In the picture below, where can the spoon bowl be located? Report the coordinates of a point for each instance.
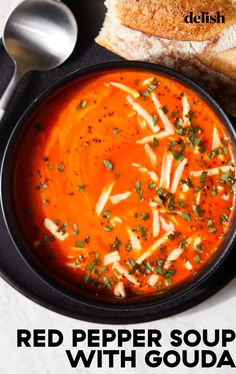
(39, 35)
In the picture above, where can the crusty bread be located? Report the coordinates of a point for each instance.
(212, 62)
(223, 62)
(165, 18)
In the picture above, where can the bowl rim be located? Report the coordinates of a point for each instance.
(54, 89)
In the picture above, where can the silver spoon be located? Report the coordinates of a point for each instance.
(38, 35)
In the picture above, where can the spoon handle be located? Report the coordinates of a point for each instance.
(8, 93)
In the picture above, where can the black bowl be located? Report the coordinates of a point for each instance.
(96, 306)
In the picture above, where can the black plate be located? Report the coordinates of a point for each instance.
(13, 268)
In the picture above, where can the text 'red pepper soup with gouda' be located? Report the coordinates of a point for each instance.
(125, 183)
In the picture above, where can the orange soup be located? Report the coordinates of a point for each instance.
(125, 183)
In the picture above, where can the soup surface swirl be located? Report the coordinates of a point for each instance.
(124, 183)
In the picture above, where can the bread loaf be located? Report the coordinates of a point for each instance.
(165, 18)
(155, 31)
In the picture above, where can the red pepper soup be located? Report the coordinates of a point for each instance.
(125, 183)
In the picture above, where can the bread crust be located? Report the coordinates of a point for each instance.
(165, 18)
(222, 62)
(210, 69)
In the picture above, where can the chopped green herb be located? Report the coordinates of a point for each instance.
(160, 262)
(212, 229)
(108, 228)
(165, 109)
(133, 264)
(75, 229)
(198, 248)
(172, 144)
(83, 104)
(143, 231)
(198, 210)
(81, 188)
(155, 142)
(171, 237)
(108, 164)
(85, 278)
(145, 94)
(63, 227)
(170, 273)
(171, 203)
(224, 177)
(45, 202)
(79, 244)
(162, 196)
(202, 149)
(44, 186)
(116, 131)
(154, 119)
(214, 193)
(225, 150)
(145, 216)
(168, 282)
(209, 222)
(139, 190)
(128, 247)
(160, 271)
(203, 177)
(197, 258)
(152, 87)
(116, 244)
(148, 268)
(177, 156)
(106, 214)
(218, 151)
(188, 182)
(103, 269)
(91, 267)
(223, 218)
(61, 167)
(159, 200)
(227, 178)
(78, 260)
(151, 185)
(213, 153)
(194, 141)
(180, 131)
(175, 114)
(186, 216)
(184, 243)
(191, 116)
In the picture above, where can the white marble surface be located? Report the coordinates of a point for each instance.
(6, 7)
(16, 312)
